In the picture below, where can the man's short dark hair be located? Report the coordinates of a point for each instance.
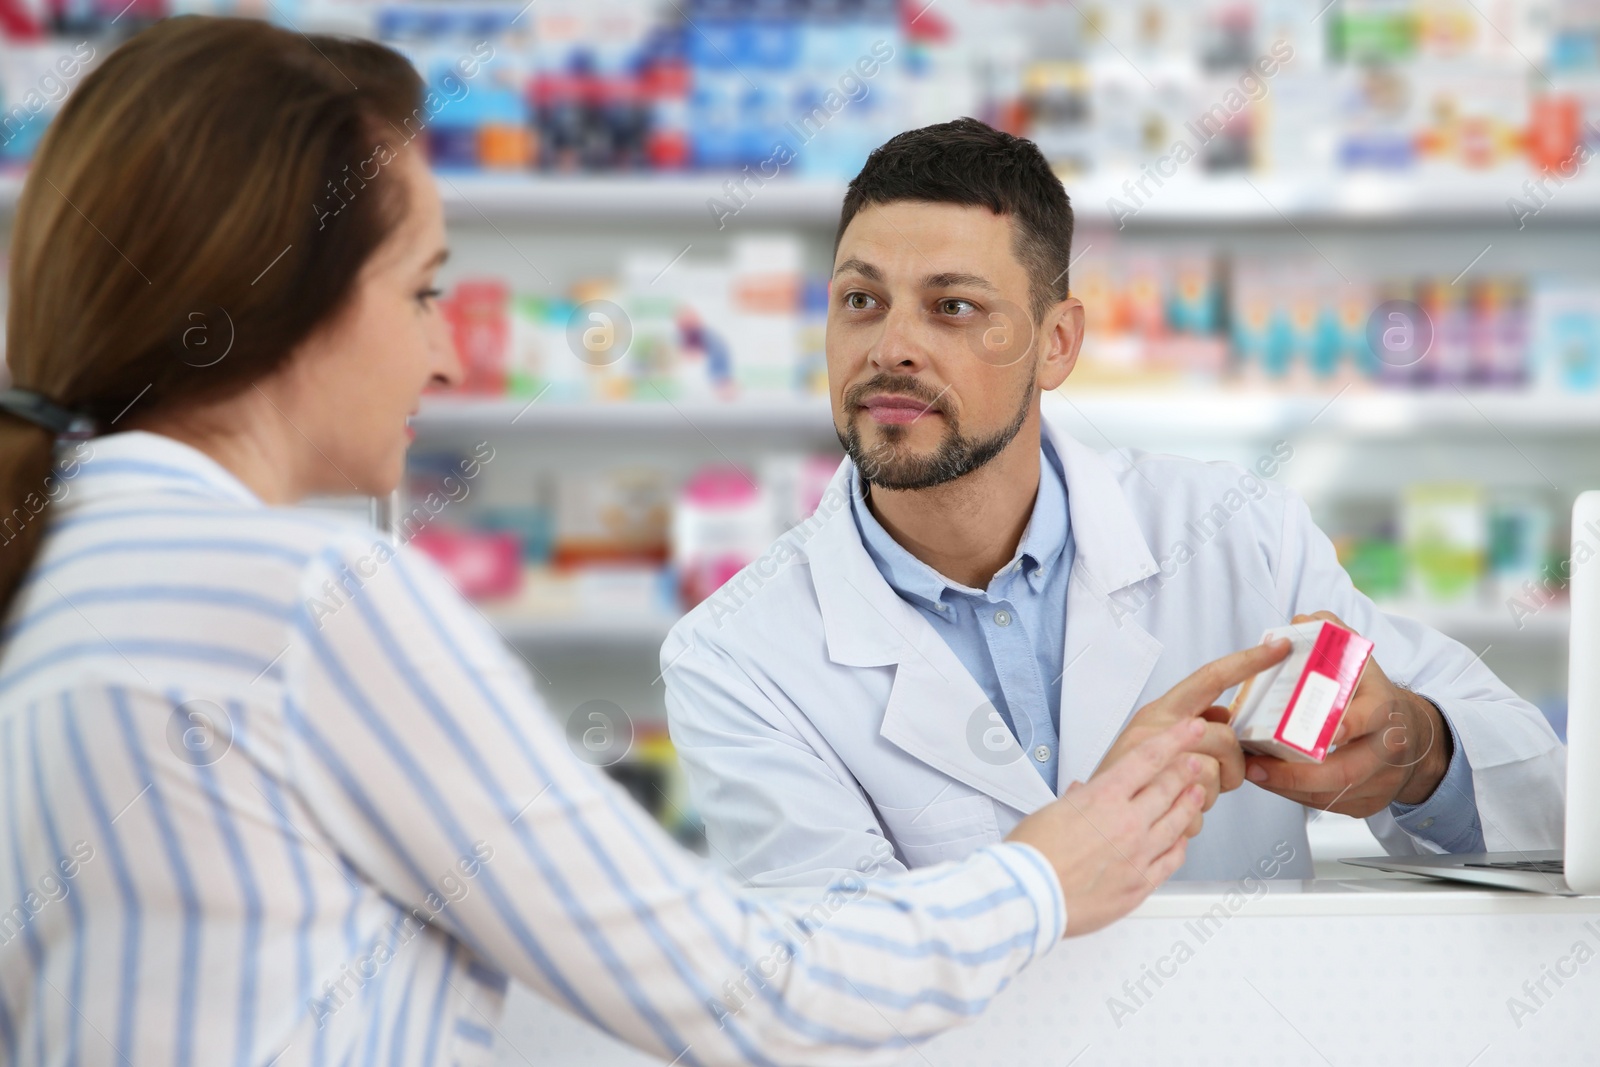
(971, 163)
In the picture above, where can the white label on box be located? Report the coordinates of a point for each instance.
(1303, 725)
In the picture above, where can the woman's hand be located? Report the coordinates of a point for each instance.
(1114, 839)
(1195, 698)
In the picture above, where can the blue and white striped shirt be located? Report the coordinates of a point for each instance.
(271, 792)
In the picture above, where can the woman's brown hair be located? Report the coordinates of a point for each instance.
(206, 197)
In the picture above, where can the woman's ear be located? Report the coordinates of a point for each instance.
(1061, 336)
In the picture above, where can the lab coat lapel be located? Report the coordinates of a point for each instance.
(1107, 656)
(937, 712)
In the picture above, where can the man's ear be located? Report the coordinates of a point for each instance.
(1060, 337)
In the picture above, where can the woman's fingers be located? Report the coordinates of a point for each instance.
(1157, 798)
(1166, 865)
(1170, 827)
(1133, 772)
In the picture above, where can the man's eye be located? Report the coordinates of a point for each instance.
(427, 295)
(953, 306)
(857, 301)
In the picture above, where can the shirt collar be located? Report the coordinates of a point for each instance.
(137, 463)
(1039, 549)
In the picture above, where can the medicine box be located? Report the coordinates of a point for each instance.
(1292, 709)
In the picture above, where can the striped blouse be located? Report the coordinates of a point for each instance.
(271, 792)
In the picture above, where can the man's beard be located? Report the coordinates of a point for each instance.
(883, 466)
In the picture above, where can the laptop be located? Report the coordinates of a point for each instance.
(1575, 869)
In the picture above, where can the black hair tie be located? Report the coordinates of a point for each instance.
(40, 410)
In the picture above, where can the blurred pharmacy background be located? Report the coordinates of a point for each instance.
(643, 195)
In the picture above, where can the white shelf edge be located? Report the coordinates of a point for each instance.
(1481, 620)
(1098, 200)
(621, 629)
(1202, 413)
(1463, 622)
(1271, 200)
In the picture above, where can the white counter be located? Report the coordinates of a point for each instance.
(1351, 971)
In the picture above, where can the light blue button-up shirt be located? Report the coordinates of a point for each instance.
(1009, 636)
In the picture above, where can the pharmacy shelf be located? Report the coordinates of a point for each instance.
(1477, 623)
(640, 630)
(802, 414)
(1214, 414)
(1255, 200)
(1184, 200)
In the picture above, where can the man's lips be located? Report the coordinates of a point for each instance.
(898, 410)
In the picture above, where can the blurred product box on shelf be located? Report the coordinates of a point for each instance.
(723, 522)
(1292, 709)
(1445, 529)
(1521, 528)
(1566, 335)
(482, 564)
(1458, 545)
(608, 517)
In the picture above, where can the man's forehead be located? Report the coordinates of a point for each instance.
(930, 243)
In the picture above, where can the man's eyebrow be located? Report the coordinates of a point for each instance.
(861, 267)
(955, 279)
(438, 259)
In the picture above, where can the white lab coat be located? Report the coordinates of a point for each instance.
(814, 710)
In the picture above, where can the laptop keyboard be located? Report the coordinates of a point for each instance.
(1531, 866)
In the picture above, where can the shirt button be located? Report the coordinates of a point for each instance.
(1042, 753)
(1002, 618)
(1425, 823)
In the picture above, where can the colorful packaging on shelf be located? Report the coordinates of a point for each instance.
(1292, 710)
(481, 564)
(1500, 332)
(476, 311)
(764, 326)
(1566, 336)
(1444, 529)
(1520, 529)
(723, 522)
(612, 517)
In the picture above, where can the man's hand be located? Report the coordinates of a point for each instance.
(1393, 745)
(1113, 840)
(1194, 698)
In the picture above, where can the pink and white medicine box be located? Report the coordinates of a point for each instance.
(1292, 710)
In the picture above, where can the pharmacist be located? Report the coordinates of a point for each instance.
(972, 569)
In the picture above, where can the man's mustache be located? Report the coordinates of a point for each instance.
(887, 383)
